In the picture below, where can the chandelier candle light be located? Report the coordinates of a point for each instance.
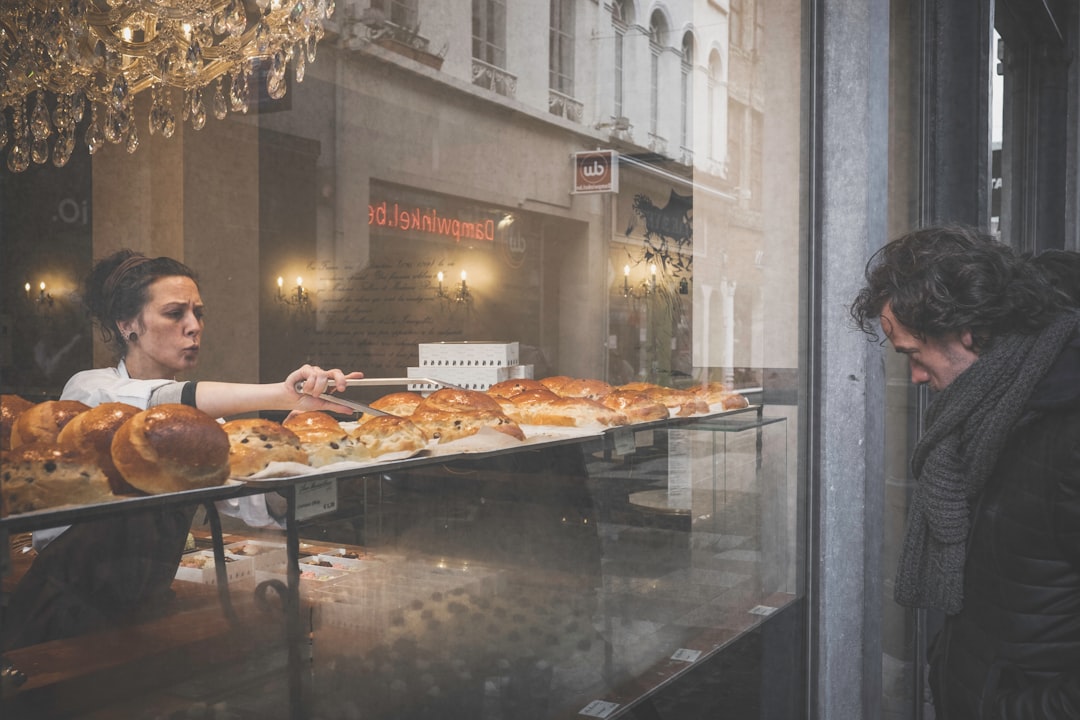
(70, 53)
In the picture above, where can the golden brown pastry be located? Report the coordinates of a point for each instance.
(536, 408)
(43, 422)
(171, 448)
(555, 382)
(718, 393)
(254, 443)
(444, 425)
(510, 388)
(679, 402)
(584, 387)
(455, 400)
(311, 420)
(401, 404)
(386, 434)
(11, 406)
(93, 430)
(324, 440)
(41, 475)
(638, 407)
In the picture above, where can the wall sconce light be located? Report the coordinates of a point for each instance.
(461, 295)
(645, 289)
(296, 297)
(43, 299)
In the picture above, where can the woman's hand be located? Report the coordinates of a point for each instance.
(317, 381)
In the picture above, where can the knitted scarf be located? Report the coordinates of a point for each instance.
(966, 427)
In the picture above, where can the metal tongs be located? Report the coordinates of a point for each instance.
(367, 409)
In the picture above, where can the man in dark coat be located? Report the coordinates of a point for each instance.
(993, 533)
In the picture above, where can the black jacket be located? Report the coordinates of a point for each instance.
(1013, 651)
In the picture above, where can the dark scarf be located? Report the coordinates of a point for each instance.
(966, 427)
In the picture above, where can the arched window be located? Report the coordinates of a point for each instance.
(657, 38)
(561, 47)
(686, 90)
(619, 20)
(717, 104)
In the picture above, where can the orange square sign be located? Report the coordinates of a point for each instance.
(596, 171)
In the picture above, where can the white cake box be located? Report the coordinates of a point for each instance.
(470, 378)
(468, 353)
(262, 553)
(309, 574)
(199, 567)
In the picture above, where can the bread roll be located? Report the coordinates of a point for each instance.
(444, 425)
(171, 448)
(510, 388)
(311, 420)
(401, 404)
(638, 407)
(42, 475)
(455, 400)
(324, 440)
(679, 402)
(93, 430)
(254, 443)
(554, 382)
(43, 422)
(536, 408)
(718, 393)
(384, 434)
(11, 406)
(584, 387)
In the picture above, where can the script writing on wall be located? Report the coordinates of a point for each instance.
(373, 318)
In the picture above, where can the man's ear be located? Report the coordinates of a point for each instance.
(967, 340)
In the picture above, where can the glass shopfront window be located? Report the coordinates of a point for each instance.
(381, 185)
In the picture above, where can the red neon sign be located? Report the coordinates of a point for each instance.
(428, 220)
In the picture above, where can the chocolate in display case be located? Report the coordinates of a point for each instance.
(578, 565)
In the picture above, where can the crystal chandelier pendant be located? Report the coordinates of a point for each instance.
(95, 137)
(66, 53)
(218, 103)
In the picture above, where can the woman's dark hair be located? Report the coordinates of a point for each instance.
(942, 280)
(117, 289)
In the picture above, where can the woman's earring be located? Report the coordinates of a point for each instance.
(133, 337)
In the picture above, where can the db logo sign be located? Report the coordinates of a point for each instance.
(596, 171)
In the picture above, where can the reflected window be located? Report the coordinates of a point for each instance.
(399, 12)
(619, 20)
(735, 24)
(686, 91)
(715, 99)
(561, 59)
(489, 31)
(657, 38)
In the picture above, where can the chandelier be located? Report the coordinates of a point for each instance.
(60, 57)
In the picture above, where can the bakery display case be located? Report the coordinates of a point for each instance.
(574, 576)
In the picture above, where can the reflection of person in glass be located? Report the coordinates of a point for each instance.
(96, 573)
(993, 533)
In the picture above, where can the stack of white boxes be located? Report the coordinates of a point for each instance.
(473, 365)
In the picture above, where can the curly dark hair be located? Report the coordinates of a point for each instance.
(117, 289)
(946, 279)
(1062, 270)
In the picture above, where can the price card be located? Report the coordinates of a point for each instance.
(599, 708)
(316, 497)
(685, 655)
(679, 481)
(624, 441)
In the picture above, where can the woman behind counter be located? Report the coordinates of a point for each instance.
(95, 574)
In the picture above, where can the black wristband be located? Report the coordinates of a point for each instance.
(187, 395)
